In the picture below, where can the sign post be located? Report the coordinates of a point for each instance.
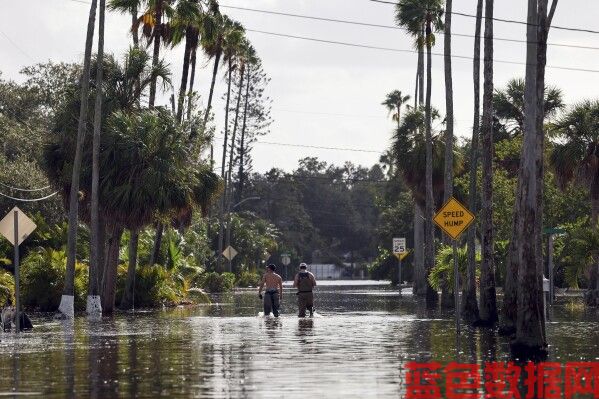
(454, 218)
(399, 250)
(16, 227)
(17, 270)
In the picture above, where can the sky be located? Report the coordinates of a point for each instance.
(323, 94)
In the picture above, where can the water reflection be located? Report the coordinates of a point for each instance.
(358, 347)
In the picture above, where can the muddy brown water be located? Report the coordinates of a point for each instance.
(357, 346)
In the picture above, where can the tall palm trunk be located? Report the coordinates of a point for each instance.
(221, 230)
(447, 294)
(134, 32)
(128, 300)
(240, 177)
(110, 269)
(510, 301)
(94, 306)
(184, 74)
(469, 303)
(420, 282)
(429, 238)
(488, 301)
(419, 272)
(212, 83)
(151, 101)
(421, 69)
(191, 83)
(530, 319)
(156, 51)
(544, 21)
(66, 306)
(448, 175)
(595, 220)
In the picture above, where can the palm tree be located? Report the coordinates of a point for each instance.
(94, 307)
(415, 15)
(575, 157)
(122, 86)
(66, 306)
(143, 151)
(488, 301)
(508, 105)
(530, 321)
(185, 25)
(394, 102)
(448, 103)
(128, 7)
(469, 302)
(510, 108)
(409, 154)
(221, 31)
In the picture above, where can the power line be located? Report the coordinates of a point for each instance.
(396, 50)
(17, 47)
(359, 23)
(510, 21)
(313, 146)
(24, 189)
(29, 200)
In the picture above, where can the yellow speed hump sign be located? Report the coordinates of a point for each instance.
(453, 218)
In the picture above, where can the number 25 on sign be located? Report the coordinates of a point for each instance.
(453, 218)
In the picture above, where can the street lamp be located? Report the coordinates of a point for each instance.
(228, 243)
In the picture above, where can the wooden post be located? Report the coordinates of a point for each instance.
(456, 285)
(399, 274)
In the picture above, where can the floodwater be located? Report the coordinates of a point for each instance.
(357, 346)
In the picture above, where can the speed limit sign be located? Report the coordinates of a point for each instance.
(399, 246)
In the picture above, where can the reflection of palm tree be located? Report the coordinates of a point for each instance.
(575, 157)
(416, 16)
(394, 102)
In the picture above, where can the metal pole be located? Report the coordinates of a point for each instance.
(399, 275)
(456, 289)
(550, 256)
(17, 282)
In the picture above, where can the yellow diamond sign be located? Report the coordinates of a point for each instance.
(401, 256)
(453, 218)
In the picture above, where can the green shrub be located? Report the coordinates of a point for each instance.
(154, 286)
(215, 282)
(443, 269)
(42, 280)
(248, 279)
(7, 288)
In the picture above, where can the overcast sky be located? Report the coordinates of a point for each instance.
(324, 94)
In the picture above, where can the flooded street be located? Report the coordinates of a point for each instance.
(356, 347)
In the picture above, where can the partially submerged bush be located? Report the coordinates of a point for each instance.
(248, 279)
(216, 282)
(7, 288)
(42, 280)
(154, 286)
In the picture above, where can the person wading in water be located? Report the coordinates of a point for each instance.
(274, 291)
(305, 283)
